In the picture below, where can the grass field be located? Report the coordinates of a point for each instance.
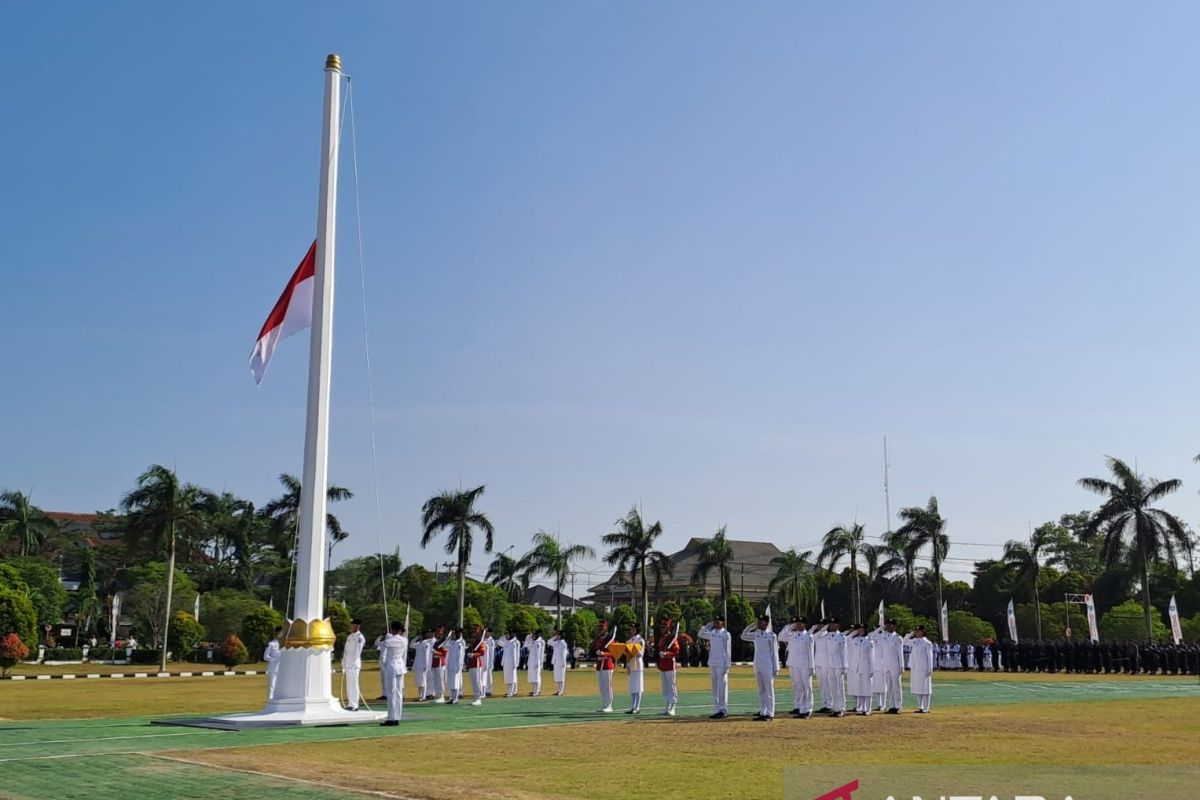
(99, 734)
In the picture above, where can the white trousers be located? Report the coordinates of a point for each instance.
(802, 691)
(487, 680)
(535, 682)
(454, 683)
(720, 688)
(435, 682)
(893, 695)
(765, 677)
(477, 680)
(421, 678)
(606, 688)
(923, 702)
(837, 689)
(351, 676)
(670, 689)
(272, 675)
(395, 694)
(823, 686)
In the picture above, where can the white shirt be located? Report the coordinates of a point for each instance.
(510, 653)
(720, 649)
(456, 651)
(352, 652)
(921, 660)
(889, 655)
(393, 653)
(800, 648)
(272, 655)
(558, 653)
(766, 647)
(537, 654)
(422, 655)
(835, 652)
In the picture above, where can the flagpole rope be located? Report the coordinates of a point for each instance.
(362, 285)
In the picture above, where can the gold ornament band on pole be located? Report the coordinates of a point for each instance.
(317, 634)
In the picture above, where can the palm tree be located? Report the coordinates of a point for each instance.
(283, 515)
(158, 511)
(455, 513)
(1024, 560)
(23, 522)
(842, 542)
(794, 579)
(926, 527)
(631, 550)
(902, 558)
(716, 553)
(507, 573)
(1127, 512)
(554, 560)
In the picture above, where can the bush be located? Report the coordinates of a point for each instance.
(12, 652)
(145, 656)
(222, 612)
(184, 634)
(1190, 629)
(16, 616)
(442, 609)
(64, 654)
(102, 653)
(232, 652)
(258, 628)
(966, 627)
(580, 628)
(1126, 622)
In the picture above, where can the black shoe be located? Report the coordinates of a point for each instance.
(794, 711)
(807, 715)
(838, 714)
(718, 715)
(892, 711)
(823, 710)
(765, 719)
(391, 723)
(758, 717)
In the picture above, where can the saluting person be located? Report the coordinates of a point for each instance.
(536, 647)
(861, 666)
(489, 661)
(800, 652)
(393, 655)
(889, 664)
(766, 665)
(456, 656)
(720, 659)
(510, 660)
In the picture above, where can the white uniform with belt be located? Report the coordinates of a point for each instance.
(860, 655)
(352, 666)
(558, 660)
(921, 661)
(536, 657)
(456, 655)
(490, 664)
(720, 658)
(766, 665)
(889, 665)
(835, 655)
(422, 658)
(272, 655)
(800, 654)
(393, 653)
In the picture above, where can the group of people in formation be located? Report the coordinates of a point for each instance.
(440, 659)
(865, 666)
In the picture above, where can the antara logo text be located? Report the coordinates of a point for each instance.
(847, 793)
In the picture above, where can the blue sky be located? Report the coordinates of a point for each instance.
(696, 256)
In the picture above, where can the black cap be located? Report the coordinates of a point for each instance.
(763, 618)
(834, 621)
(356, 621)
(802, 619)
(718, 618)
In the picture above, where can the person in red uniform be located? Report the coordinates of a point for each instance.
(476, 658)
(668, 656)
(604, 667)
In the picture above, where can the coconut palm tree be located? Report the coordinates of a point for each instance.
(282, 513)
(506, 572)
(24, 523)
(845, 541)
(1024, 560)
(1128, 522)
(455, 513)
(552, 559)
(158, 511)
(794, 579)
(902, 559)
(632, 551)
(926, 527)
(716, 553)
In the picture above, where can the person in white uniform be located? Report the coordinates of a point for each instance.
(489, 642)
(921, 662)
(889, 665)
(635, 645)
(720, 659)
(456, 656)
(558, 661)
(535, 646)
(393, 656)
(766, 665)
(800, 665)
(835, 655)
(352, 662)
(421, 660)
(820, 635)
(878, 688)
(510, 659)
(860, 659)
(272, 656)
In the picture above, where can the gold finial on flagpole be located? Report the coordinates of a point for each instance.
(333, 61)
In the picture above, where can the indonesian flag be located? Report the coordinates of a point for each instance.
(292, 313)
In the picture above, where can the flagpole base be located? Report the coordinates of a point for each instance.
(303, 697)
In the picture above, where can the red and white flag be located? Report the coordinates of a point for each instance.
(292, 313)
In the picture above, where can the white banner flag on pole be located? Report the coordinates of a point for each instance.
(1093, 631)
(196, 608)
(881, 616)
(1176, 629)
(116, 616)
(1012, 622)
(945, 623)
(822, 608)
